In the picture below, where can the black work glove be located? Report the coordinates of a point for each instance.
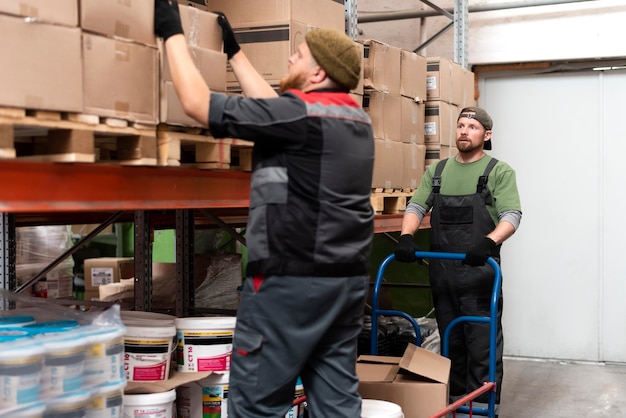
(405, 250)
(167, 19)
(231, 46)
(479, 253)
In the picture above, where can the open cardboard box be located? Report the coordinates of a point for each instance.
(158, 386)
(417, 381)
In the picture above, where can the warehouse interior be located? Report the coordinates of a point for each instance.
(551, 75)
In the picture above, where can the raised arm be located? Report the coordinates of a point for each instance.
(252, 84)
(193, 92)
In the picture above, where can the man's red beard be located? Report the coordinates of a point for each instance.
(465, 146)
(292, 81)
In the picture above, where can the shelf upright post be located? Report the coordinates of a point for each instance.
(350, 7)
(7, 257)
(143, 261)
(461, 16)
(185, 298)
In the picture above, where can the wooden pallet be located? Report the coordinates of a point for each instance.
(196, 148)
(390, 201)
(49, 136)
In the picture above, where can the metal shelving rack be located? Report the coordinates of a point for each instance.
(43, 193)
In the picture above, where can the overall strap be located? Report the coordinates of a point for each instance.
(436, 181)
(481, 187)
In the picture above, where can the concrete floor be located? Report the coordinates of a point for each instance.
(555, 389)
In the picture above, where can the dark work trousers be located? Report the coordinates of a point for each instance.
(297, 326)
(457, 223)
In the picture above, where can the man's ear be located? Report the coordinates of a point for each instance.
(319, 75)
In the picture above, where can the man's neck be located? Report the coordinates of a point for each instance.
(469, 157)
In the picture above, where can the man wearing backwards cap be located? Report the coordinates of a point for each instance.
(475, 208)
(310, 225)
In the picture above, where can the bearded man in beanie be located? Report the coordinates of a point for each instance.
(310, 224)
(475, 208)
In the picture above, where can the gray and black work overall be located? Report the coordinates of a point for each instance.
(457, 223)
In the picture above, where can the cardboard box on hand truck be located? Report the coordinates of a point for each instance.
(417, 381)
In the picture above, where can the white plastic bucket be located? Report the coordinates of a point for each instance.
(297, 411)
(64, 360)
(105, 354)
(373, 408)
(154, 405)
(148, 351)
(204, 344)
(106, 400)
(21, 364)
(208, 397)
(71, 405)
(204, 398)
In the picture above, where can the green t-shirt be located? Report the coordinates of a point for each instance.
(460, 179)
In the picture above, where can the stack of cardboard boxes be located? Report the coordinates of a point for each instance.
(395, 91)
(102, 58)
(450, 88)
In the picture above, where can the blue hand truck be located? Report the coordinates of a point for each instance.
(464, 404)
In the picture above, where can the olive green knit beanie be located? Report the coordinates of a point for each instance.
(337, 54)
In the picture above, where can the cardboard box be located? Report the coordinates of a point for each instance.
(130, 20)
(50, 75)
(388, 162)
(62, 12)
(449, 82)
(320, 13)
(360, 87)
(269, 46)
(413, 165)
(209, 63)
(448, 151)
(382, 66)
(385, 111)
(433, 154)
(201, 28)
(413, 119)
(418, 381)
(413, 75)
(440, 123)
(105, 270)
(121, 79)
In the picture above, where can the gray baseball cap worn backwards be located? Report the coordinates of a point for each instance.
(481, 115)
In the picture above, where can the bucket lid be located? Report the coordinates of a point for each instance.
(140, 317)
(150, 331)
(108, 387)
(13, 333)
(150, 398)
(57, 325)
(22, 348)
(16, 321)
(373, 408)
(206, 323)
(97, 333)
(76, 399)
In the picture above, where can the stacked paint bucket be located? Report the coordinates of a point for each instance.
(150, 344)
(205, 344)
(57, 368)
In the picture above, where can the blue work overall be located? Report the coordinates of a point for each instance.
(457, 223)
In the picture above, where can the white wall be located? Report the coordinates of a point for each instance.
(583, 30)
(563, 270)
